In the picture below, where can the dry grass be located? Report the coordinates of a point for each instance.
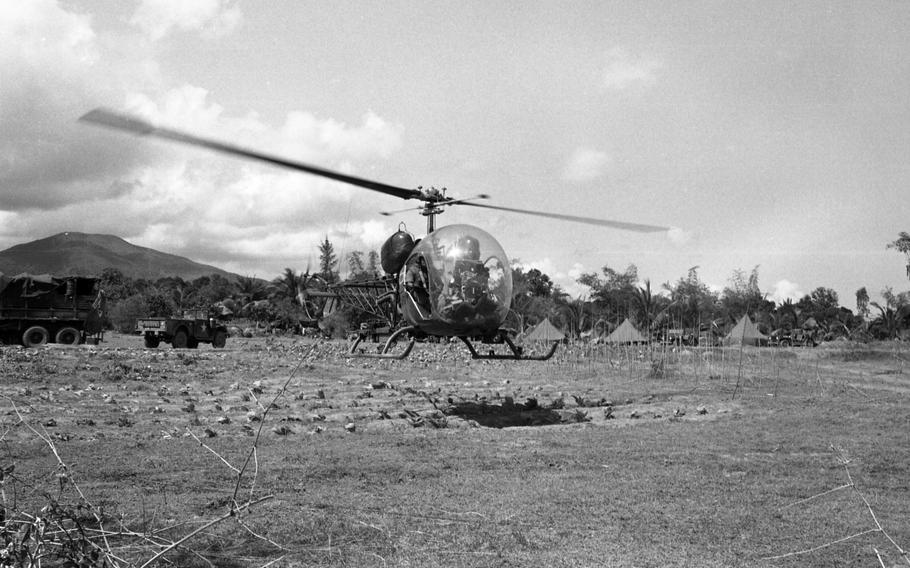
(723, 458)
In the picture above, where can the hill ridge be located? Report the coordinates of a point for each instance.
(87, 254)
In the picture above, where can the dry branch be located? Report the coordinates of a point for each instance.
(845, 462)
(57, 533)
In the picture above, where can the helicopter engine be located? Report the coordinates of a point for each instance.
(457, 280)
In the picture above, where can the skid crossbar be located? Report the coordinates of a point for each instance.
(517, 353)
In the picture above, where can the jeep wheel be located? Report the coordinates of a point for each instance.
(180, 339)
(220, 339)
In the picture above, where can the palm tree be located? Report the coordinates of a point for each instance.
(287, 285)
(307, 283)
(902, 244)
(891, 319)
(787, 312)
(576, 314)
(249, 289)
(649, 307)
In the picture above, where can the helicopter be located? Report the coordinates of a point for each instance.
(455, 282)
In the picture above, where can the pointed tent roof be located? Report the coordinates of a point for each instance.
(626, 333)
(745, 332)
(545, 331)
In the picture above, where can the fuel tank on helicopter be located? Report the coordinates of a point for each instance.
(456, 281)
(395, 251)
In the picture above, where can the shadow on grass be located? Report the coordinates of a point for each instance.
(508, 414)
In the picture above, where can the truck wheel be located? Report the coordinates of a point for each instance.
(180, 339)
(220, 339)
(68, 336)
(152, 341)
(35, 336)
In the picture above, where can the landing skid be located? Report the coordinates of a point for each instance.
(517, 353)
(385, 352)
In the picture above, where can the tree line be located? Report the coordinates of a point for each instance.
(295, 300)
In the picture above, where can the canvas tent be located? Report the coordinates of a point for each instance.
(626, 333)
(544, 331)
(745, 333)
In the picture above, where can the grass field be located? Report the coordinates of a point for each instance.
(724, 457)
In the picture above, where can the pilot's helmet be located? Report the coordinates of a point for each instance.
(469, 247)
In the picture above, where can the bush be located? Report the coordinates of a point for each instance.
(337, 324)
(124, 314)
(159, 305)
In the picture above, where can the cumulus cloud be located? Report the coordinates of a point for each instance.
(212, 18)
(570, 282)
(679, 236)
(52, 68)
(784, 289)
(250, 207)
(373, 233)
(586, 164)
(565, 279)
(60, 175)
(623, 70)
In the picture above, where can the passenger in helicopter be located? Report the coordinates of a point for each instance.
(468, 293)
(416, 282)
(469, 275)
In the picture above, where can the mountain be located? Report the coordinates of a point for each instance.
(81, 254)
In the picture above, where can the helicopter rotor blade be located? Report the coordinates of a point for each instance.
(441, 203)
(117, 121)
(638, 227)
(397, 211)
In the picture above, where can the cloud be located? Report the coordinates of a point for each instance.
(570, 282)
(256, 215)
(784, 289)
(623, 70)
(38, 34)
(212, 18)
(60, 175)
(679, 236)
(373, 233)
(567, 280)
(53, 67)
(586, 164)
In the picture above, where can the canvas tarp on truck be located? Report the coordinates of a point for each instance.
(52, 304)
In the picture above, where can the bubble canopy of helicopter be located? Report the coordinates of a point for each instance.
(457, 278)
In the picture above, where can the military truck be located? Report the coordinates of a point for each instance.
(187, 331)
(40, 309)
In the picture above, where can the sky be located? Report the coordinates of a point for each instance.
(766, 134)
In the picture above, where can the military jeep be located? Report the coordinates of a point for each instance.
(188, 331)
